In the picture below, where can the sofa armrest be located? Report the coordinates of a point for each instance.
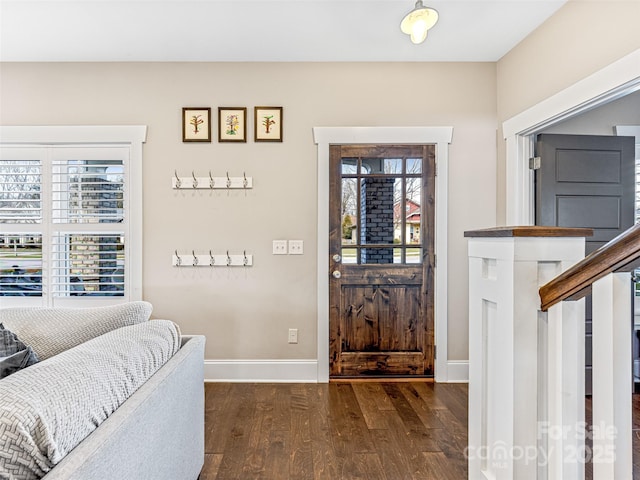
(157, 433)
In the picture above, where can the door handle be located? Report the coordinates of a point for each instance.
(336, 274)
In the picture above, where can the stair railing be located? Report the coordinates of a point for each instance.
(605, 275)
(527, 354)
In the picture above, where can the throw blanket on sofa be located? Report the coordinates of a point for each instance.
(49, 408)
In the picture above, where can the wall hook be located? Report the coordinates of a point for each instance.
(222, 259)
(201, 182)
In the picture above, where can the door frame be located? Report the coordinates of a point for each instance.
(441, 137)
(614, 81)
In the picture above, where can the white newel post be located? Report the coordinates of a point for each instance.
(526, 367)
(612, 378)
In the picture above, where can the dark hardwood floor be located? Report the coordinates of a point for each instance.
(344, 431)
(392, 431)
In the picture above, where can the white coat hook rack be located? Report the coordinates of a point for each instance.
(226, 259)
(210, 182)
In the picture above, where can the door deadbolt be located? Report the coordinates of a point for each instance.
(336, 257)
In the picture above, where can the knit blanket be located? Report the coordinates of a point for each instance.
(49, 408)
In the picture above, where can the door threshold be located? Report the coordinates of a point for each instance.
(381, 379)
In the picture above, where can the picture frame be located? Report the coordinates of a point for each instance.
(196, 124)
(232, 124)
(267, 124)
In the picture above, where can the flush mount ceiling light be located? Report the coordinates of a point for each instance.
(418, 21)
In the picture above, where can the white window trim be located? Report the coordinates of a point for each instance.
(441, 137)
(610, 83)
(131, 136)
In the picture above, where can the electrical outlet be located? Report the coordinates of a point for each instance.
(293, 335)
(296, 247)
(279, 247)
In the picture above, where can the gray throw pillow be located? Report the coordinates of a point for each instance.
(49, 331)
(14, 355)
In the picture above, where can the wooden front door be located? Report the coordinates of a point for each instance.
(381, 260)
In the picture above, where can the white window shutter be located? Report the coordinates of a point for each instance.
(64, 224)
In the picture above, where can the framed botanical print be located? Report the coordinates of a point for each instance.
(232, 124)
(196, 124)
(268, 124)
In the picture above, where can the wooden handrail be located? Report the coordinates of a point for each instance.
(619, 255)
(529, 231)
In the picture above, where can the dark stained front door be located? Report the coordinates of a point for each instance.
(381, 239)
(586, 181)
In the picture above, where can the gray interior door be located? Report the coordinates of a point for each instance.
(586, 181)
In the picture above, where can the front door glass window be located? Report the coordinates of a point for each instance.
(381, 210)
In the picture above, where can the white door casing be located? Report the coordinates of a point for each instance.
(614, 81)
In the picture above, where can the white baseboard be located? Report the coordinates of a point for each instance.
(266, 371)
(458, 371)
(293, 371)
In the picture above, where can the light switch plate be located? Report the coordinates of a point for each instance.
(296, 247)
(279, 247)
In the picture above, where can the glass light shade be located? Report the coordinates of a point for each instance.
(418, 21)
(418, 31)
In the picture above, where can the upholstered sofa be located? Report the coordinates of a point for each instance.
(156, 432)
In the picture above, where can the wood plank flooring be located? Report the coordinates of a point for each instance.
(336, 431)
(344, 431)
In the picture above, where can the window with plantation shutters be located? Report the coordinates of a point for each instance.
(20, 187)
(88, 191)
(21, 222)
(87, 264)
(65, 224)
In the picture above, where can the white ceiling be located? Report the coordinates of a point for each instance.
(261, 30)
